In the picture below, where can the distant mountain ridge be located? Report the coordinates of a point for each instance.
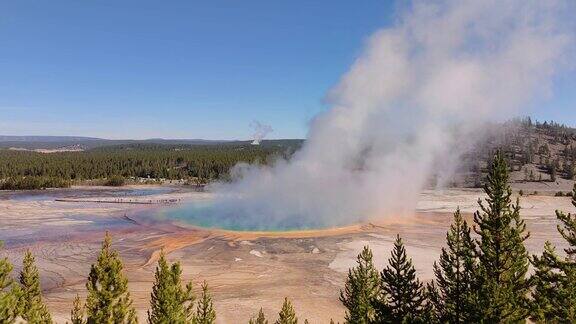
(47, 139)
(86, 143)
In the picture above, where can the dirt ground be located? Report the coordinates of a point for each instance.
(245, 270)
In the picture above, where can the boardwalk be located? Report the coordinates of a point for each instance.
(122, 201)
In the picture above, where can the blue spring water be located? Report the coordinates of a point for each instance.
(207, 214)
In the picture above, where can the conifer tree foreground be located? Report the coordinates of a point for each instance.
(108, 298)
(454, 289)
(205, 313)
(361, 289)
(259, 319)
(554, 279)
(287, 315)
(77, 312)
(31, 307)
(547, 297)
(170, 302)
(502, 256)
(568, 230)
(9, 292)
(402, 294)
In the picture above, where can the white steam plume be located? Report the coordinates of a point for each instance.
(445, 63)
(260, 131)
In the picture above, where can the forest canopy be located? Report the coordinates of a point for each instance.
(201, 163)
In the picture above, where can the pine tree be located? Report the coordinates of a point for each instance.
(259, 319)
(502, 256)
(287, 315)
(403, 296)
(547, 297)
(568, 306)
(361, 289)
(453, 294)
(9, 292)
(554, 279)
(170, 302)
(31, 307)
(205, 313)
(431, 314)
(77, 312)
(108, 298)
(568, 229)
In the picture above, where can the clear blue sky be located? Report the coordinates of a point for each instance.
(183, 68)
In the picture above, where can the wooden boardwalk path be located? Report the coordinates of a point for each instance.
(121, 201)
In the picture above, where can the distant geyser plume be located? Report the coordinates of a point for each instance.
(393, 114)
(260, 131)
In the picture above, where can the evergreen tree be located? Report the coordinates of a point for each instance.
(554, 279)
(259, 319)
(430, 313)
(361, 289)
(403, 295)
(77, 312)
(31, 307)
(205, 313)
(453, 297)
(287, 315)
(549, 288)
(502, 256)
(170, 302)
(108, 298)
(9, 292)
(553, 172)
(568, 229)
(568, 266)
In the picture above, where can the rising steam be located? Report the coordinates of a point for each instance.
(260, 131)
(444, 65)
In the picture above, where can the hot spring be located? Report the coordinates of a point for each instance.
(215, 214)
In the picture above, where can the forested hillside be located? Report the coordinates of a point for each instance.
(537, 152)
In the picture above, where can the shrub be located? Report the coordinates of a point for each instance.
(115, 181)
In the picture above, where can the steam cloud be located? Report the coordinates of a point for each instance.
(443, 64)
(260, 131)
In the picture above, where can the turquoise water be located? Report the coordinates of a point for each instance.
(208, 214)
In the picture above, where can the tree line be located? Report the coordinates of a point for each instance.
(478, 279)
(200, 163)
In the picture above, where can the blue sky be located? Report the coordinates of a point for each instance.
(184, 69)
